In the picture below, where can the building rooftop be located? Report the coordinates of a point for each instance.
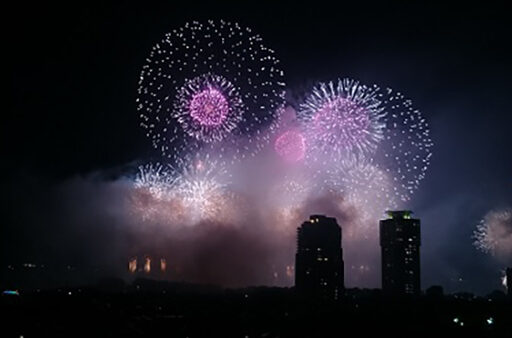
(399, 214)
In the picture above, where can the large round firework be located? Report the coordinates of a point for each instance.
(342, 119)
(350, 122)
(494, 234)
(208, 85)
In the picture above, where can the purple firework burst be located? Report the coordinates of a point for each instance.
(211, 85)
(208, 107)
(343, 119)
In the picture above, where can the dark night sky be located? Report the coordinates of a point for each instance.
(73, 72)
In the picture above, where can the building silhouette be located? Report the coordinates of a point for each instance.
(319, 259)
(400, 253)
(508, 276)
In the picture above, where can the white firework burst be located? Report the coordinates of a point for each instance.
(207, 85)
(494, 233)
(342, 119)
(156, 179)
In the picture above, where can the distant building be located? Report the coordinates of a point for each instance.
(319, 259)
(508, 281)
(145, 265)
(400, 244)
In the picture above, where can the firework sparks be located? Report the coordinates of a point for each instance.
(364, 184)
(208, 108)
(350, 122)
(155, 179)
(202, 186)
(343, 118)
(494, 233)
(208, 85)
(406, 149)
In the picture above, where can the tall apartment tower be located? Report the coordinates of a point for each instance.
(400, 244)
(319, 259)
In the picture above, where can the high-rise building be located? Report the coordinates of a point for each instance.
(319, 258)
(400, 244)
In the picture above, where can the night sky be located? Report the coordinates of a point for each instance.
(73, 75)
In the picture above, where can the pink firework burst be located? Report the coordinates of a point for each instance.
(350, 119)
(290, 146)
(209, 107)
(342, 119)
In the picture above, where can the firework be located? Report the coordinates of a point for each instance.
(405, 152)
(494, 233)
(365, 187)
(202, 186)
(155, 179)
(292, 191)
(342, 119)
(350, 122)
(291, 146)
(208, 108)
(154, 198)
(208, 85)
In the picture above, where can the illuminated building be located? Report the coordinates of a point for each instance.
(147, 265)
(132, 265)
(163, 265)
(400, 244)
(319, 259)
(143, 265)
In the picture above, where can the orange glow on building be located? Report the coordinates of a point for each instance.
(132, 265)
(147, 265)
(290, 271)
(163, 265)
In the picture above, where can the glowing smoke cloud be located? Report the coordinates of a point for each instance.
(210, 85)
(290, 146)
(202, 185)
(155, 179)
(365, 187)
(494, 234)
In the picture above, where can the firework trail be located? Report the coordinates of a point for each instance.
(493, 234)
(210, 85)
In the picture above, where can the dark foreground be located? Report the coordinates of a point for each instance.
(154, 309)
